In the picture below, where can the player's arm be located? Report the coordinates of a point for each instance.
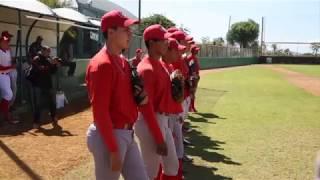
(147, 110)
(99, 83)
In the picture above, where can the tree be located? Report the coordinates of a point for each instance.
(315, 48)
(155, 19)
(184, 29)
(218, 41)
(287, 52)
(274, 47)
(205, 40)
(244, 33)
(52, 3)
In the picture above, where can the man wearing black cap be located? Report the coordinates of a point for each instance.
(35, 47)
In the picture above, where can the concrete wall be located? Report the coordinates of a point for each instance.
(210, 62)
(290, 60)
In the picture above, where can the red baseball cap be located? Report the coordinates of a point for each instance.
(194, 48)
(155, 32)
(189, 38)
(173, 29)
(139, 50)
(191, 42)
(5, 35)
(178, 35)
(115, 18)
(173, 44)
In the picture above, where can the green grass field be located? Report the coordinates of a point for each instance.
(311, 70)
(252, 124)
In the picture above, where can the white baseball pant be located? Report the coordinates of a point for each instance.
(175, 124)
(185, 106)
(152, 160)
(132, 163)
(5, 87)
(13, 79)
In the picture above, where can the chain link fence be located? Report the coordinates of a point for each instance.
(208, 50)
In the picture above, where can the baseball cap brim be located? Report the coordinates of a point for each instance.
(181, 47)
(4, 38)
(130, 22)
(189, 38)
(167, 35)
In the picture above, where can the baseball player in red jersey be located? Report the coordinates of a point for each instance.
(136, 60)
(181, 37)
(155, 137)
(110, 137)
(182, 66)
(174, 52)
(6, 67)
(194, 68)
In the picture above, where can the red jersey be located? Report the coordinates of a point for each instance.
(196, 65)
(173, 106)
(156, 83)
(108, 80)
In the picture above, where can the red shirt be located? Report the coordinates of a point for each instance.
(182, 66)
(196, 61)
(173, 107)
(157, 84)
(110, 92)
(136, 61)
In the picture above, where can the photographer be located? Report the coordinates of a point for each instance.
(42, 91)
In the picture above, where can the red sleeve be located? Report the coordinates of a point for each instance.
(99, 82)
(148, 110)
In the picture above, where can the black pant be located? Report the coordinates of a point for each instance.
(71, 65)
(41, 98)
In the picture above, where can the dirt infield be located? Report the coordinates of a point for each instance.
(202, 72)
(47, 153)
(308, 83)
(50, 152)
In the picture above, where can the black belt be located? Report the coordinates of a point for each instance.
(5, 73)
(164, 113)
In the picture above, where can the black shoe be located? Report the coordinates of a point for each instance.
(36, 126)
(186, 130)
(187, 142)
(55, 122)
(187, 158)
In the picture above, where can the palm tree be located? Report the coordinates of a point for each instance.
(274, 47)
(54, 3)
(315, 48)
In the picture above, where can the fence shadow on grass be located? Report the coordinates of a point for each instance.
(207, 149)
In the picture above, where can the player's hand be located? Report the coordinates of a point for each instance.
(115, 161)
(162, 149)
(180, 120)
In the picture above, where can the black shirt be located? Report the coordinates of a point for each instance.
(34, 49)
(44, 70)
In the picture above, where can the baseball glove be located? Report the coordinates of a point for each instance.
(139, 94)
(177, 86)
